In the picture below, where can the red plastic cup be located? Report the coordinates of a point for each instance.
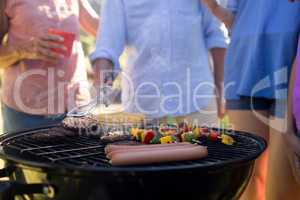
(68, 42)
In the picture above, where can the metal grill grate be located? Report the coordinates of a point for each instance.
(83, 151)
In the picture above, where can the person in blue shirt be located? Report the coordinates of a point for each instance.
(167, 44)
(263, 46)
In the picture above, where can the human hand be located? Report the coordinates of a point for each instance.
(103, 71)
(211, 4)
(103, 79)
(40, 48)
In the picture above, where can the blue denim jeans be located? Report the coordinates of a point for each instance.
(14, 121)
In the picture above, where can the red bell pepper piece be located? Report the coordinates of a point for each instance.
(214, 136)
(148, 137)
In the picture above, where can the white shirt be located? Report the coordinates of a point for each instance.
(167, 43)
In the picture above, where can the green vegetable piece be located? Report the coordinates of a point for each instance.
(156, 139)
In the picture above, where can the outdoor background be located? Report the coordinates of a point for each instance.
(88, 43)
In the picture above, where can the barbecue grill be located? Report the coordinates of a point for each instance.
(77, 168)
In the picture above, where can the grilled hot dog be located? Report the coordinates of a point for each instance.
(158, 155)
(145, 149)
(112, 147)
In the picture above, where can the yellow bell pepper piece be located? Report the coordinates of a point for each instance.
(226, 139)
(166, 140)
(134, 132)
(143, 135)
(197, 132)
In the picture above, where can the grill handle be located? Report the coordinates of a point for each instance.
(9, 189)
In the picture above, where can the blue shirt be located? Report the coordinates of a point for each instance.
(262, 49)
(167, 42)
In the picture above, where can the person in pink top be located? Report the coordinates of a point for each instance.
(40, 85)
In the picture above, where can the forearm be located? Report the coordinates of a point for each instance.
(33, 49)
(89, 19)
(223, 14)
(9, 56)
(218, 56)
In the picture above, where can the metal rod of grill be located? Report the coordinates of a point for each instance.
(69, 150)
(75, 156)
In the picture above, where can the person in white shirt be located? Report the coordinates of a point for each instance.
(168, 44)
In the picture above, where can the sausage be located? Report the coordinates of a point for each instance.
(158, 156)
(112, 147)
(159, 148)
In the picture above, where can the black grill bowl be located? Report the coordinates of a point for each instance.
(76, 168)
